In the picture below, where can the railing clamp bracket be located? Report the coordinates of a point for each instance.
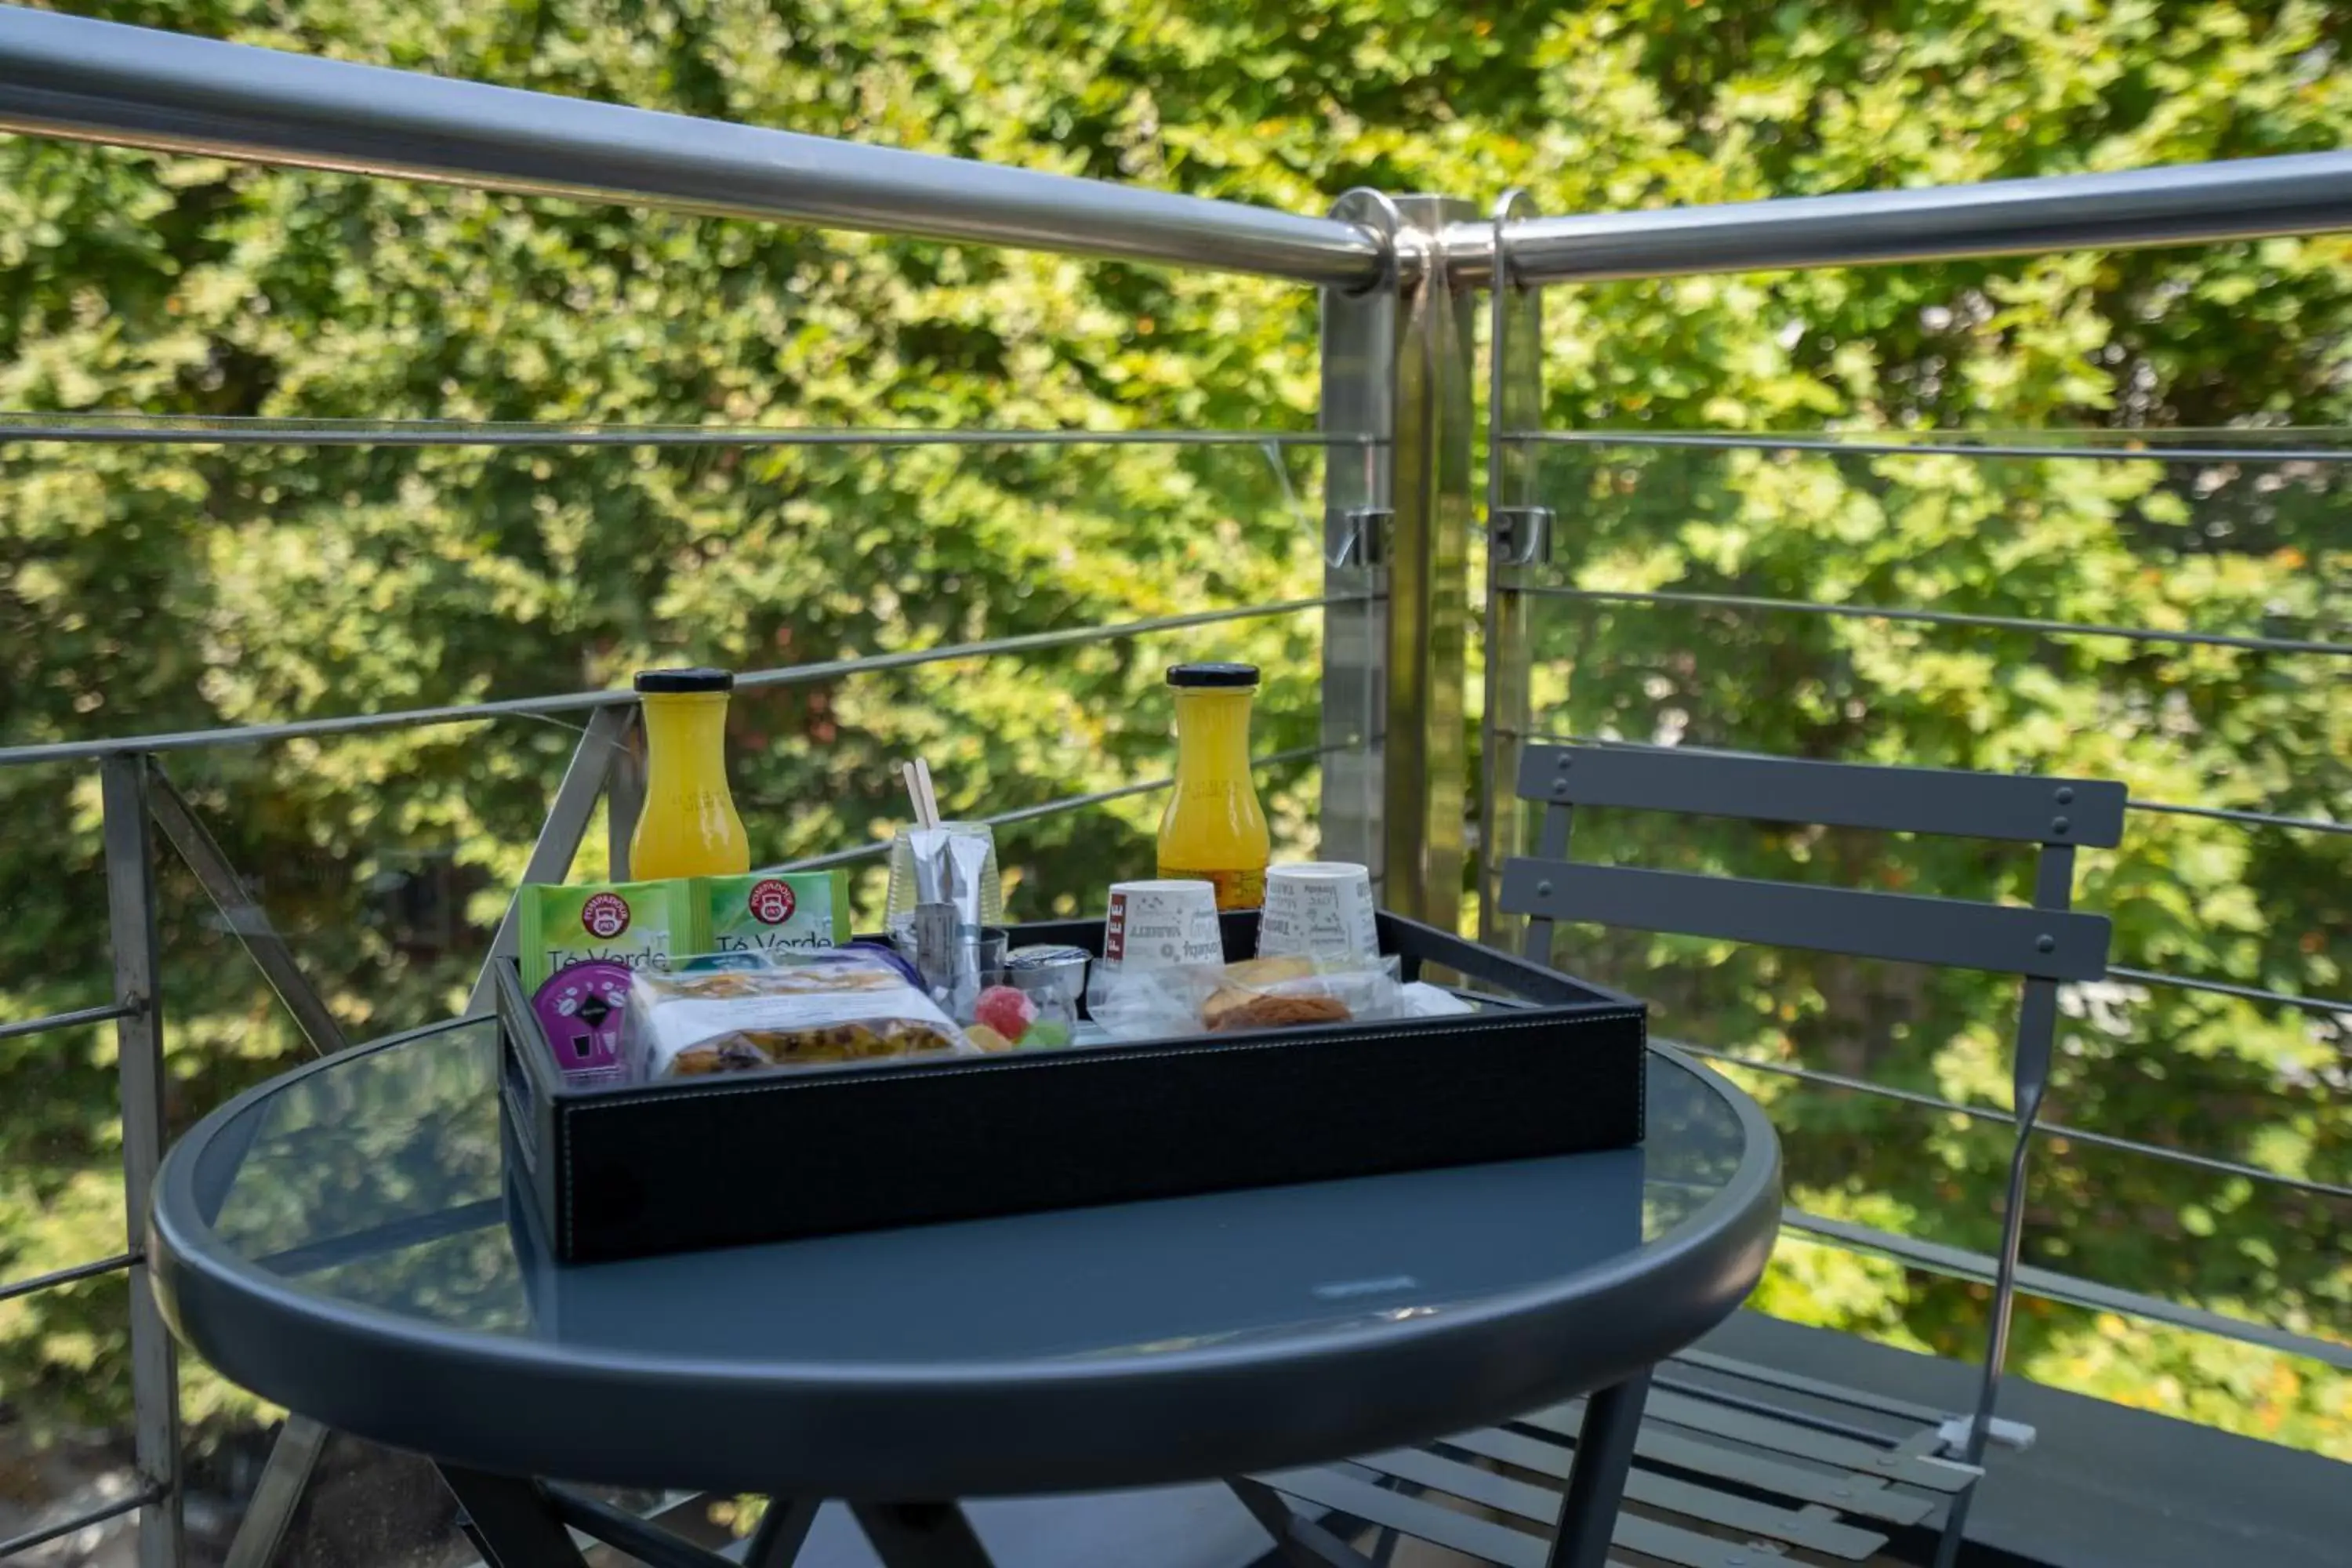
(1358, 534)
(1520, 535)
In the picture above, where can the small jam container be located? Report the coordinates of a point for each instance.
(1054, 975)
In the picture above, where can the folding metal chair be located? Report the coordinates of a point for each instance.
(1749, 1459)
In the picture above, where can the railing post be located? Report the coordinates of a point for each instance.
(139, 1047)
(1518, 535)
(1427, 559)
(1396, 370)
(1359, 409)
(242, 912)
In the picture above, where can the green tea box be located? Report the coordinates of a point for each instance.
(580, 945)
(638, 925)
(773, 912)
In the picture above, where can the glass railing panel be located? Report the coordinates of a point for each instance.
(2249, 1250)
(380, 861)
(2174, 612)
(1004, 605)
(64, 1355)
(1066, 744)
(1818, 1122)
(336, 574)
(2249, 1389)
(61, 1123)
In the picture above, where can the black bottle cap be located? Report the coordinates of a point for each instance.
(1232, 675)
(700, 679)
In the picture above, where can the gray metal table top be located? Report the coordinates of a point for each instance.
(339, 1241)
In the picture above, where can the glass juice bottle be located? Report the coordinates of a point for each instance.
(687, 826)
(1214, 829)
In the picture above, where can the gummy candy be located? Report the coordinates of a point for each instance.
(1005, 1009)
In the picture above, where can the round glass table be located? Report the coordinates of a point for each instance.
(340, 1240)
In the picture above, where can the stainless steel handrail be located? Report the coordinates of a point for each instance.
(100, 81)
(2187, 203)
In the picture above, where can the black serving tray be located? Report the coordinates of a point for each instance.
(1554, 1068)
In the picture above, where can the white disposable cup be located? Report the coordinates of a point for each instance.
(1157, 925)
(1322, 909)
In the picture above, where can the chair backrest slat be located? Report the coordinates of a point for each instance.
(1950, 933)
(2016, 808)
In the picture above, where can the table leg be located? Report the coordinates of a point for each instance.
(512, 1521)
(782, 1530)
(1300, 1542)
(1596, 1482)
(921, 1535)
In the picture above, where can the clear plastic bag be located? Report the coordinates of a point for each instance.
(1151, 1003)
(1256, 993)
(1423, 1000)
(819, 1009)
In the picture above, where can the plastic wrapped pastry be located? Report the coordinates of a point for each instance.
(1256, 994)
(1286, 991)
(818, 1009)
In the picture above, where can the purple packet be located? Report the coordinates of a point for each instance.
(578, 1010)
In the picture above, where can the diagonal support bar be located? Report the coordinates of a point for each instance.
(292, 1456)
(604, 739)
(243, 914)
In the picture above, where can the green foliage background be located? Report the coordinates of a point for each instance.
(153, 588)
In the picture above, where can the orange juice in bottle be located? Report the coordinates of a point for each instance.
(1214, 829)
(687, 826)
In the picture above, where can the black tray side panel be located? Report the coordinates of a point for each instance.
(530, 1095)
(785, 1157)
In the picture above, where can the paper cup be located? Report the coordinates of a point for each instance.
(1156, 925)
(1319, 910)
